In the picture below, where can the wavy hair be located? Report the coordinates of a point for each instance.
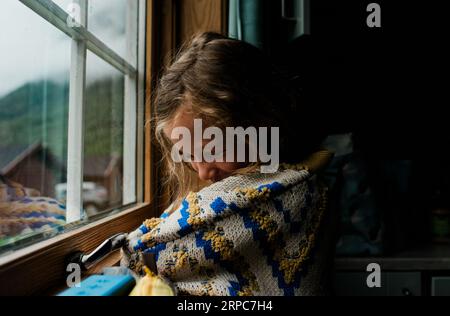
(226, 82)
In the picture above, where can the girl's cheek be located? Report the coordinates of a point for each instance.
(229, 166)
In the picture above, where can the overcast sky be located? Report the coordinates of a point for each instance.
(32, 49)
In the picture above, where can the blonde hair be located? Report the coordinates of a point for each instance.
(226, 82)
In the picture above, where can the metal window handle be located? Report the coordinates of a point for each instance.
(87, 261)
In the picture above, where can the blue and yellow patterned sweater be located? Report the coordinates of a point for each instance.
(250, 234)
(24, 212)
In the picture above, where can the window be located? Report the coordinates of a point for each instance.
(37, 42)
(71, 114)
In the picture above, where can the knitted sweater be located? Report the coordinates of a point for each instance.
(23, 212)
(250, 234)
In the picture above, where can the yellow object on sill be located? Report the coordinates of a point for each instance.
(152, 285)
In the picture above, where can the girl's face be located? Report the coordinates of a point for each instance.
(207, 171)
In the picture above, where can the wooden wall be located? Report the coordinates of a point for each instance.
(181, 19)
(201, 15)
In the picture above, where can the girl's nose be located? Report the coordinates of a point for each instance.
(206, 171)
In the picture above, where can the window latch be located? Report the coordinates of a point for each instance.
(87, 261)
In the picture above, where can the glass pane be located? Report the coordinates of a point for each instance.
(107, 20)
(34, 93)
(64, 4)
(103, 172)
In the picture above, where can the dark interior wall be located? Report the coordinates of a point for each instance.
(387, 87)
(386, 84)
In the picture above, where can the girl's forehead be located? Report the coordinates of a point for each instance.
(183, 118)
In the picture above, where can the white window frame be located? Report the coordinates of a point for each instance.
(133, 68)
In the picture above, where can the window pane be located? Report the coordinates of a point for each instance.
(35, 63)
(107, 21)
(34, 93)
(103, 172)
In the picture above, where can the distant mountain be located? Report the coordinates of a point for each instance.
(29, 99)
(38, 112)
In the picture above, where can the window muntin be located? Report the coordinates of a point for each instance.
(106, 20)
(74, 51)
(103, 136)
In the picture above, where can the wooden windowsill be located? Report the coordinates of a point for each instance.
(110, 260)
(36, 269)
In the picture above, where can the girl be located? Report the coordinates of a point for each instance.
(246, 232)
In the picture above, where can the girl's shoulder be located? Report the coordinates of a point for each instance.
(314, 163)
(254, 184)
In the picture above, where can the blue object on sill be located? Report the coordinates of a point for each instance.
(102, 285)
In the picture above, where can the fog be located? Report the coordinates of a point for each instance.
(32, 49)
